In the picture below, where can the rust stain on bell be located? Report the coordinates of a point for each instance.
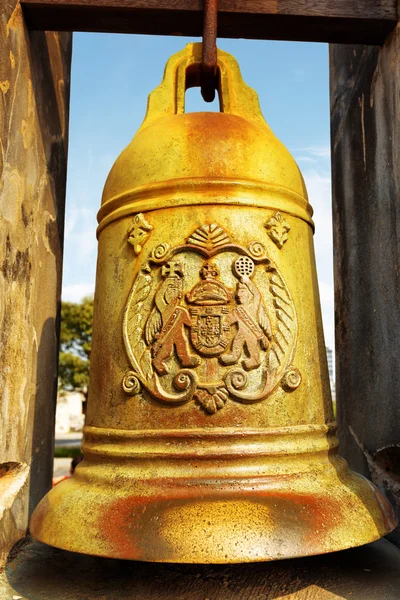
(210, 434)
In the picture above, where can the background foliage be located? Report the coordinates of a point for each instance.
(75, 345)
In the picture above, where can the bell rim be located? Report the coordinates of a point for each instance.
(301, 530)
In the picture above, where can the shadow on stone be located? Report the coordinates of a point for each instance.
(39, 572)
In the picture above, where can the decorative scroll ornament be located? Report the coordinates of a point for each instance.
(139, 232)
(278, 229)
(210, 321)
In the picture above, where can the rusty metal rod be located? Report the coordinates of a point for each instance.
(209, 60)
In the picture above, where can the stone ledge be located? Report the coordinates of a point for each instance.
(13, 516)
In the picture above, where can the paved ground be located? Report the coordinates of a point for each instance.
(39, 572)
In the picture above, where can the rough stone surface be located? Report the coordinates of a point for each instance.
(39, 572)
(365, 108)
(34, 98)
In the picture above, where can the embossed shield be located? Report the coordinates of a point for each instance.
(208, 332)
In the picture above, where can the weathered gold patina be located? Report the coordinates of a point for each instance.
(210, 433)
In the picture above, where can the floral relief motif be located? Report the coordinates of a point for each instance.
(278, 229)
(198, 327)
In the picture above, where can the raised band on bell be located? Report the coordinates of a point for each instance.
(210, 435)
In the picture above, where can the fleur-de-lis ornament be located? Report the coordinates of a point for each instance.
(278, 229)
(139, 232)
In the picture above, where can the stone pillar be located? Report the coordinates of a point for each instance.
(34, 105)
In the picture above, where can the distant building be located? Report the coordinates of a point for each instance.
(331, 371)
(69, 416)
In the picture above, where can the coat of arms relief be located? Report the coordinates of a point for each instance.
(209, 321)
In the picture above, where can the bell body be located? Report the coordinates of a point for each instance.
(210, 435)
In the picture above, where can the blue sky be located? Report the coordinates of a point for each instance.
(112, 76)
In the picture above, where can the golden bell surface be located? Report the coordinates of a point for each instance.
(210, 435)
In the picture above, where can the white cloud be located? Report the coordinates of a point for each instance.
(320, 151)
(75, 292)
(306, 159)
(80, 236)
(318, 182)
(328, 311)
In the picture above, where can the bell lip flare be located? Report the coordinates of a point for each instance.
(263, 504)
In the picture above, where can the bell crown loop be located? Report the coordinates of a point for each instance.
(183, 71)
(182, 159)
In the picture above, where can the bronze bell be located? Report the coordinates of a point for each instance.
(210, 434)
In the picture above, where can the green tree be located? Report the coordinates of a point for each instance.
(75, 345)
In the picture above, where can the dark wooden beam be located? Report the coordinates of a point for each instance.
(340, 21)
(365, 104)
